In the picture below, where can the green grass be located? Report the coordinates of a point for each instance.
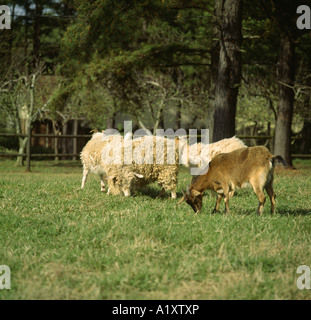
(63, 243)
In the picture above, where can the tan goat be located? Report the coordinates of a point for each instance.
(244, 167)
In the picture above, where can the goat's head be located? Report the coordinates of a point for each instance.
(114, 187)
(193, 198)
(123, 182)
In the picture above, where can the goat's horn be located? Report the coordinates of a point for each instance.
(188, 189)
(183, 198)
(138, 175)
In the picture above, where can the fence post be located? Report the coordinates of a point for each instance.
(28, 152)
(75, 132)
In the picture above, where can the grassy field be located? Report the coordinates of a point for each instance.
(64, 243)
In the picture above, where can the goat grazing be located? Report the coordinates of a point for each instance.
(244, 167)
(125, 176)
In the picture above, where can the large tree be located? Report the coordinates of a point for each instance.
(283, 14)
(229, 67)
(286, 78)
(122, 44)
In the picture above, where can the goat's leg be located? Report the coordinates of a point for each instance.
(271, 194)
(85, 174)
(225, 194)
(102, 182)
(162, 193)
(226, 199)
(173, 192)
(262, 199)
(218, 200)
(170, 187)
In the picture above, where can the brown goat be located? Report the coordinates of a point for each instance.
(244, 167)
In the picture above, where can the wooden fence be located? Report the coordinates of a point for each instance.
(47, 136)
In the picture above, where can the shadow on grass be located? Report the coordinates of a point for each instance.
(295, 212)
(155, 193)
(278, 211)
(151, 192)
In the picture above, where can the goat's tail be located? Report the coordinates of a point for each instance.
(280, 160)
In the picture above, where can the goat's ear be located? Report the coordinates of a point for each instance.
(195, 193)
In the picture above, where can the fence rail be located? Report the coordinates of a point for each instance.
(29, 155)
(39, 155)
(77, 155)
(42, 135)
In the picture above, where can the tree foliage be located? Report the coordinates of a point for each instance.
(123, 43)
(156, 62)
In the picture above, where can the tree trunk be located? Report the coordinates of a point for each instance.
(21, 141)
(28, 147)
(215, 49)
(159, 121)
(282, 141)
(30, 120)
(178, 78)
(21, 150)
(111, 121)
(305, 147)
(178, 116)
(229, 69)
(268, 143)
(55, 142)
(11, 36)
(37, 31)
(64, 141)
(27, 4)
